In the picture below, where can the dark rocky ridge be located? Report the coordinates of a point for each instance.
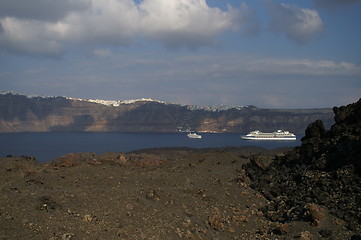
(324, 171)
(19, 113)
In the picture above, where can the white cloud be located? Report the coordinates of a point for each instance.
(298, 24)
(174, 23)
(277, 82)
(305, 67)
(229, 69)
(29, 37)
(185, 23)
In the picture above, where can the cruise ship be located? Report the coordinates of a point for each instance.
(277, 135)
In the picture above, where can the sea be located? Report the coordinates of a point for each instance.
(47, 146)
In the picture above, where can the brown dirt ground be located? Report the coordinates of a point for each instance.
(150, 194)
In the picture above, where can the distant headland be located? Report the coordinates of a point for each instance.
(33, 113)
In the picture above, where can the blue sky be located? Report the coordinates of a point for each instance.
(268, 53)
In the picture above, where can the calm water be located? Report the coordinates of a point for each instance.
(47, 146)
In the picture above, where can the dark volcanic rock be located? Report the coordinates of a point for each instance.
(325, 170)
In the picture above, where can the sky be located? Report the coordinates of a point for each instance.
(267, 53)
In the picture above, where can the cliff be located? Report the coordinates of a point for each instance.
(20, 113)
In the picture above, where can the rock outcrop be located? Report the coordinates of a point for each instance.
(325, 172)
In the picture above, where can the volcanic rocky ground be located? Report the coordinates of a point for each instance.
(310, 192)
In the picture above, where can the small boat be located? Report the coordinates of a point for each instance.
(277, 135)
(193, 135)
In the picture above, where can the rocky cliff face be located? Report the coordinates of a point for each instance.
(20, 113)
(324, 171)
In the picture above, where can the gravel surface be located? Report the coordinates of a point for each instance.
(169, 193)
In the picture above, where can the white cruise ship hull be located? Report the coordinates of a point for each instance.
(269, 138)
(279, 135)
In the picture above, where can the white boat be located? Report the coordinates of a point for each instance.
(277, 135)
(193, 135)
